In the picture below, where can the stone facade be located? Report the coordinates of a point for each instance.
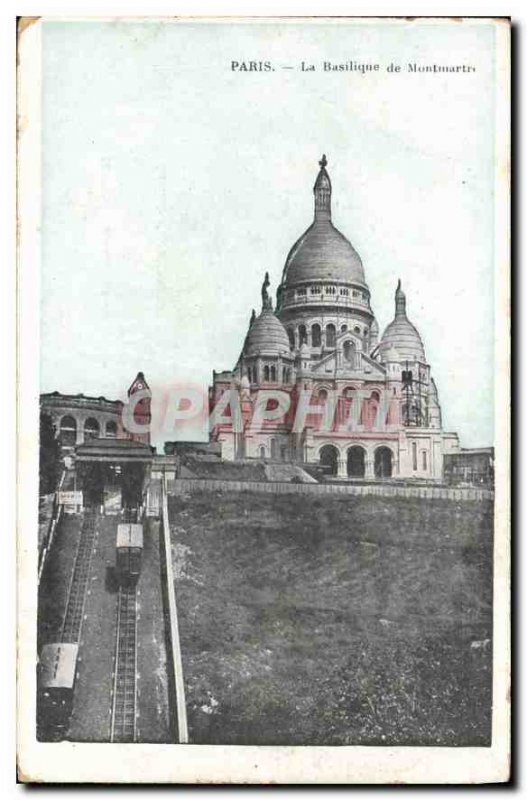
(322, 341)
(78, 418)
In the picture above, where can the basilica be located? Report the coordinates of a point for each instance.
(335, 392)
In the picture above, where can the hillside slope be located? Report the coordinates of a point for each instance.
(342, 620)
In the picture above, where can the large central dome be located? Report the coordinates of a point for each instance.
(322, 253)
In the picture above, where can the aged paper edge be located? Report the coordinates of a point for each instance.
(139, 763)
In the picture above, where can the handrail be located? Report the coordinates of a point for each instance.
(55, 519)
(174, 627)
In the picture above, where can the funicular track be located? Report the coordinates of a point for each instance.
(125, 670)
(73, 616)
(124, 700)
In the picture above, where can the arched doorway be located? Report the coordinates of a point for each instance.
(329, 458)
(356, 462)
(383, 464)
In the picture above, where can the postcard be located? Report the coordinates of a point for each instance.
(264, 381)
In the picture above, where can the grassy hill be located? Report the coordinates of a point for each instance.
(335, 620)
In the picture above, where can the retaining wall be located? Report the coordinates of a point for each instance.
(188, 485)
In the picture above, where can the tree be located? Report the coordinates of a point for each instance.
(50, 460)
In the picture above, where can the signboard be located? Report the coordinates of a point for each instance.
(69, 498)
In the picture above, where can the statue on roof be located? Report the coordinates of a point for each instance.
(266, 297)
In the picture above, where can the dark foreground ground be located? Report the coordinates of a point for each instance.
(336, 620)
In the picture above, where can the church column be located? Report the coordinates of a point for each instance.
(80, 430)
(342, 471)
(368, 467)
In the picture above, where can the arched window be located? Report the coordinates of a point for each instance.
(302, 335)
(414, 455)
(316, 335)
(343, 328)
(329, 459)
(111, 429)
(330, 335)
(356, 330)
(291, 334)
(322, 395)
(262, 452)
(273, 374)
(274, 448)
(266, 373)
(91, 429)
(349, 352)
(68, 431)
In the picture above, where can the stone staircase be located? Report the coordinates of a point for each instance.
(287, 473)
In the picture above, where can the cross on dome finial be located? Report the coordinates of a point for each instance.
(323, 161)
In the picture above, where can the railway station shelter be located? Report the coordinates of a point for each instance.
(113, 472)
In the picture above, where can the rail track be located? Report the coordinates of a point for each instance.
(131, 515)
(73, 616)
(124, 700)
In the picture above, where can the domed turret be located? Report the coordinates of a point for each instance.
(401, 341)
(322, 252)
(266, 334)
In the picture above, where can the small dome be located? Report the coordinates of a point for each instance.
(267, 335)
(401, 341)
(389, 352)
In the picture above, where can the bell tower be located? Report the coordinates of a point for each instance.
(142, 415)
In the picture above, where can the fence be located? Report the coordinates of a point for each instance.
(52, 529)
(175, 654)
(189, 485)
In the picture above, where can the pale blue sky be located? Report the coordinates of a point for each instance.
(171, 184)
